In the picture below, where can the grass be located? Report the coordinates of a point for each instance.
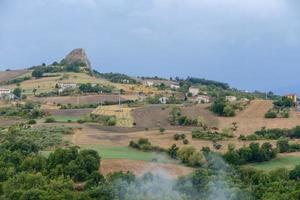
(61, 118)
(288, 162)
(121, 152)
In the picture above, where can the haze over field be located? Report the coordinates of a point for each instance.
(250, 44)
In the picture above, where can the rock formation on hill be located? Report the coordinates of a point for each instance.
(78, 56)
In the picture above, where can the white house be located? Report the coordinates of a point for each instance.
(203, 99)
(163, 100)
(4, 91)
(175, 86)
(64, 86)
(149, 83)
(194, 91)
(6, 94)
(230, 98)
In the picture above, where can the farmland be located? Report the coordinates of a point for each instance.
(117, 127)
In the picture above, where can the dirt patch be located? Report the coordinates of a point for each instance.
(9, 75)
(141, 167)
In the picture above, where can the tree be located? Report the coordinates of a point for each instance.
(37, 73)
(34, 91)
(218, 106)
(17, 92)
(173, 151)
(283, 145)
(295, 173)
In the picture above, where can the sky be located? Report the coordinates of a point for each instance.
(250, 44)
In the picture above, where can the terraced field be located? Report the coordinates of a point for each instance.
(123, 114)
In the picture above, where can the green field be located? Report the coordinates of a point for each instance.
(288, 162)
(126, 153)
(60, 118)
(120, 152)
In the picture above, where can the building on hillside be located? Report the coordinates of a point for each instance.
(148, 83)
(245, 100)
(4, 91)
(293, 97)
(230, 98)
(194, 91)
(64, 86)
(175, 86)
(163, 100)
(6, 94)
(203, 99)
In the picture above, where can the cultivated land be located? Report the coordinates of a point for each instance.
(143, 121)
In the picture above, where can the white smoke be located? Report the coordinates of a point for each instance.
(158, 184)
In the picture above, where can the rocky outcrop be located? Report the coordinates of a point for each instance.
(78, 56)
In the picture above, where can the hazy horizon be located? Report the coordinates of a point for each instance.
(252, 45)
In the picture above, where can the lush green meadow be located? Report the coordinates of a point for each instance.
(61, 118)
(121, 152)
(288, 162)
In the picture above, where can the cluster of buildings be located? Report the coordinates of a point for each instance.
(6, 94)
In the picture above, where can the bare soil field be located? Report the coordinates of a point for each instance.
(79, 99)
(70, 112)
(158, 115)
(141, 167)
(9, 75)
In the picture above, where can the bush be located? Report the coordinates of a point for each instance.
(49, 120)
(162, 130)
(270, 114)
(37, 73)
(190, 156)
(185, 141)
(179, 136)
(32, 121)
(112, 121)
(145, 145)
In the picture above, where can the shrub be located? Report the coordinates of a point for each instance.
(270, 114)
(162, 130)
(112, 121)
(190, 156)
(49, 120)
(32, 121)
(185, 141)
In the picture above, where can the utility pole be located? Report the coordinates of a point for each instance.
(119, 99)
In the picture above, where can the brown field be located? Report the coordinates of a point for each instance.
(122, 114)
(141, 167)
(80, 99)
(8, 121)
(70, 112)
(9, 75)
(252, 118)
(157, 115)
(92, 135)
